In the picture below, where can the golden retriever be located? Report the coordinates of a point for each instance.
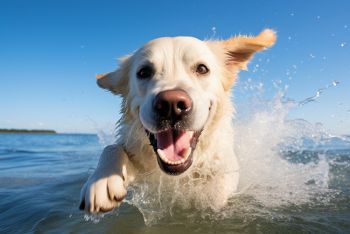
(176, 112)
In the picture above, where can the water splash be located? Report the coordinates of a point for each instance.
(106, 133)
(106, 137)
(262, 142)
(94, 218)
(318, 93)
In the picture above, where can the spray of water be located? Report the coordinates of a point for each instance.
(318, 93)
(263, 144)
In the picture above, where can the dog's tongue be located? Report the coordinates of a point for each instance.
(174, 146)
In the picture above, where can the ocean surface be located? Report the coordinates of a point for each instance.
(294, 179)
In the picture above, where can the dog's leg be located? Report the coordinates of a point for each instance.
(106, 187)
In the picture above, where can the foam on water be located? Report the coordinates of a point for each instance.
(272, 173)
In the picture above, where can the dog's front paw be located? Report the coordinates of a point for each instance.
(102, 194)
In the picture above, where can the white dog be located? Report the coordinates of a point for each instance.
(176, 111)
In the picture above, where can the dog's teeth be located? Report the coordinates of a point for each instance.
(183, 160)
(190, 133)
(162, 155)
(187, 153)
(164, 158)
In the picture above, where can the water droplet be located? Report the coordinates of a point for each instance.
(289, 38)
(335, 82)
(312, 56)
(291, 14)
(345, 26)
(318, 17)
(343, 44)
(318, 93)
(213, 29)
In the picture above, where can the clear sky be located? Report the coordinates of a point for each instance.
(51, 50)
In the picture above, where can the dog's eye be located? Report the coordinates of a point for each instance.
(145, 72)
(201, 69)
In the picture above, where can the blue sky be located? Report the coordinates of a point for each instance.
(50, 52)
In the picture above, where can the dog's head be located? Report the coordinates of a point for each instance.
(172, 86)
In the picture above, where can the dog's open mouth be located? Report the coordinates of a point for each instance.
(174, 149)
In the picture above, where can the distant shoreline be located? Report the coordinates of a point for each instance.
(37, 131)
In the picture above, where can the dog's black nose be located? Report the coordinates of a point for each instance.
(172, 104)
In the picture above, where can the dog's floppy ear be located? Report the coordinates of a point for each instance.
(116, 81)
(239, 50)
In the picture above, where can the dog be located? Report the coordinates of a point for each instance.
(177, 114)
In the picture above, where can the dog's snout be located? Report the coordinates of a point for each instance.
(172, 104)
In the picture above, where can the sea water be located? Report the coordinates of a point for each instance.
(294, 178)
